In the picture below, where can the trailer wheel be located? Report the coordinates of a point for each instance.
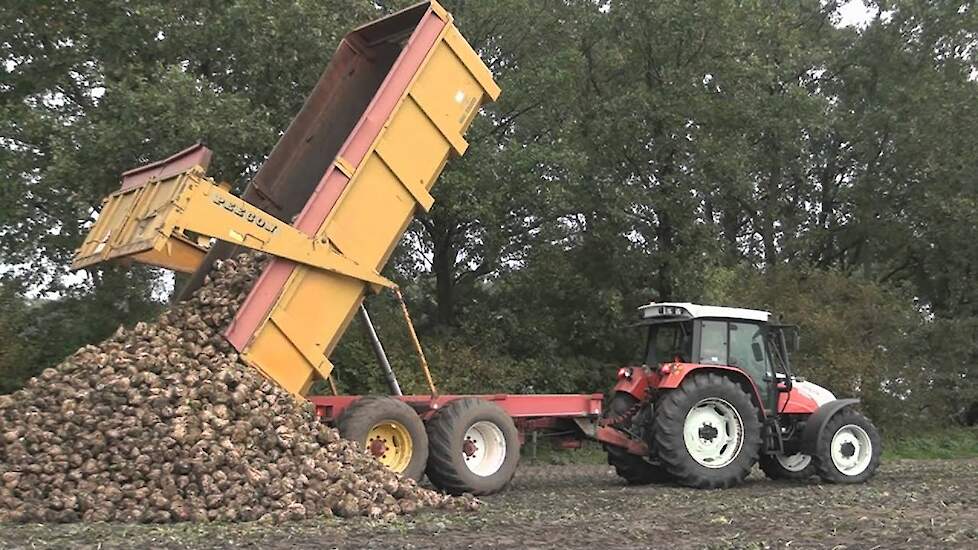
(707, 432)
(633, 469)
(849, 449)
(390, 430)
(795, 467)
(473, 447)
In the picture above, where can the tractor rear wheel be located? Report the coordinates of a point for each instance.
(795, 467)
(849, 448)
(707, 432)
(474, 447)
(634, 469)
(388, 429)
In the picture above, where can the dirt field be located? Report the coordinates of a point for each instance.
(911, 504)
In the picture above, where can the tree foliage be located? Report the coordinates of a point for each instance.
(744, 153)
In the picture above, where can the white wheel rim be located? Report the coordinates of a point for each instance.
(713, 432)
(794, 463)
(851, 450)
(484, 448)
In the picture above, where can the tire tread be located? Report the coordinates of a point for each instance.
(668, 439)
(363, 413)
(823, 462)
(774, 470)
(633, 469)
(441, 438)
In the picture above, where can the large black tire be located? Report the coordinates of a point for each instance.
(365, 413)
(669, 423)
(774, 469)
(453, 458)
(635, 470)
(827, 467)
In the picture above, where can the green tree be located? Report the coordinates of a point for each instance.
(749, 153)
(92, 88)
(15, 353)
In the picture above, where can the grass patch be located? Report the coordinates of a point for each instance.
(938, 444)
(543, 453)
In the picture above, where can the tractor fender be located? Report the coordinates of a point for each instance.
(633, 381)
(815, 425)
(679, 371)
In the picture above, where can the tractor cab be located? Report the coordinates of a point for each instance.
(727, 337)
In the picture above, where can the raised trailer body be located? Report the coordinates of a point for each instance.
(329, 205)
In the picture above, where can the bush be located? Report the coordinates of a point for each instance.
(946, 443)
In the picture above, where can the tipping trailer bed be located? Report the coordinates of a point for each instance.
(329, 205)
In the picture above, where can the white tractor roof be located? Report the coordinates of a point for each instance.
(686, 309)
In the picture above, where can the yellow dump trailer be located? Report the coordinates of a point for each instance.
(330, 203)
(129, 225)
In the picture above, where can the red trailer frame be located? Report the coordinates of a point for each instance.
(568, 418)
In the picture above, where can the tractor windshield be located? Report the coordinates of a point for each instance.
(669, 342)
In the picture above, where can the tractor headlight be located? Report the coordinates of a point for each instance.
(625, 372)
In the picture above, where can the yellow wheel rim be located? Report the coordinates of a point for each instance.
(391, 444)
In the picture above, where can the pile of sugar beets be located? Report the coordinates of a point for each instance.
(162, 423)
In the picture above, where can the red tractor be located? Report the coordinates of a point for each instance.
(715, 395)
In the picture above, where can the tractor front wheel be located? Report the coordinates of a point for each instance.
(795, 467)
(707, 432)
(635, 470)
(389, 430)
(849, 448)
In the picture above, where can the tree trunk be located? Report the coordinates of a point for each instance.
(444, 256)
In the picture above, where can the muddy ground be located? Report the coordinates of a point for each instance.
(910, 504)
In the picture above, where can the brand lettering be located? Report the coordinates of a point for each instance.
(244, 213)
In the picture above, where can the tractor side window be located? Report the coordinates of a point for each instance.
(668, 342)
(713, 343)
(747, 350)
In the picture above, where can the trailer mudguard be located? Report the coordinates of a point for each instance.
(815, 425)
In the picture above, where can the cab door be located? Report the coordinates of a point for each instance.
(749, 353)
(739, 344)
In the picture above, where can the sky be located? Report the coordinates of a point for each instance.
(855, 13)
